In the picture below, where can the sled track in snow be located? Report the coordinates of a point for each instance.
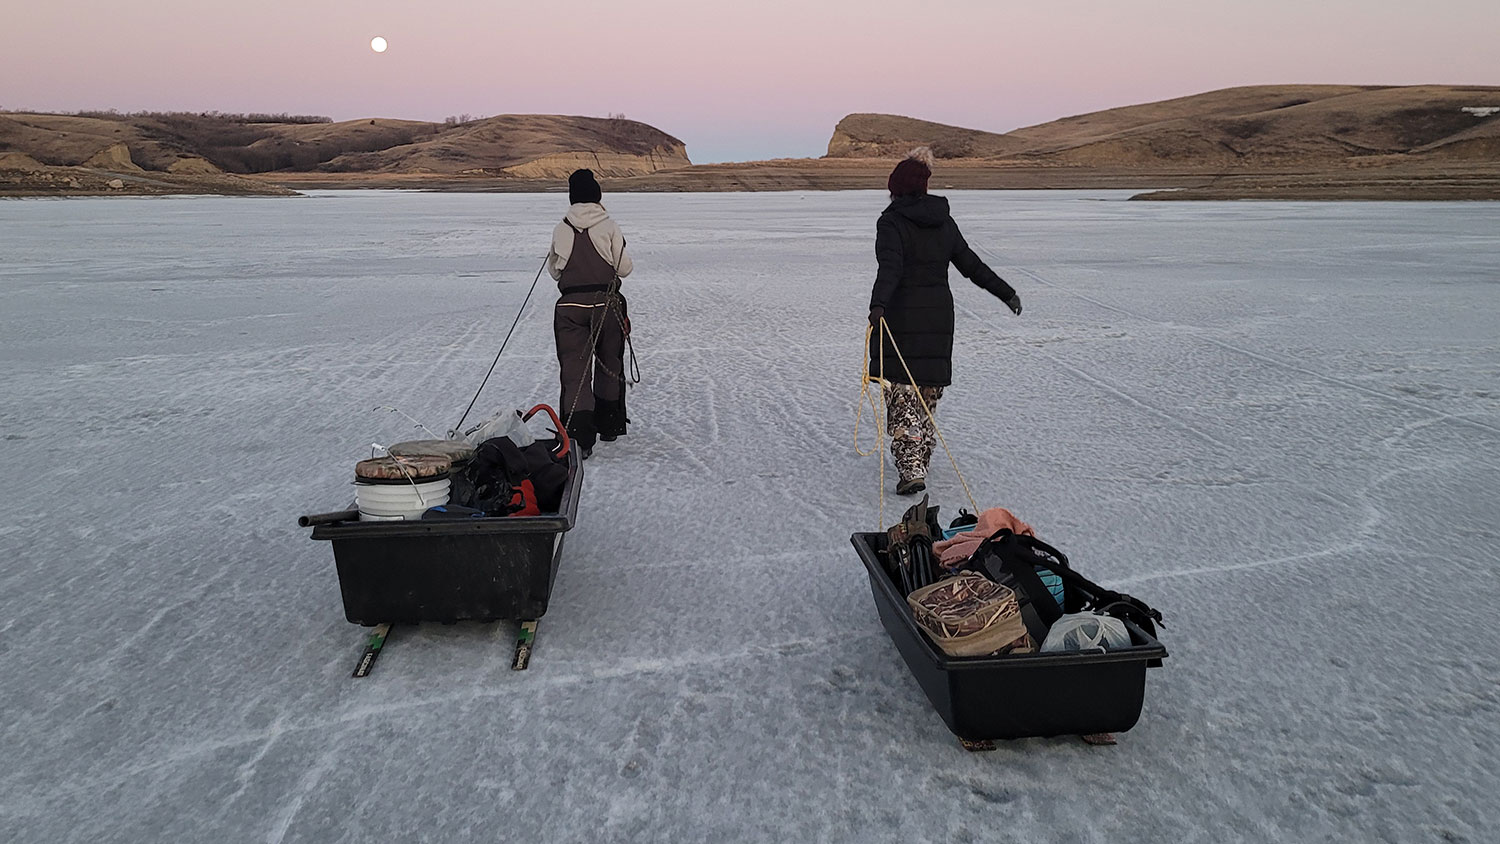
(1119, 392)
(1200, 334)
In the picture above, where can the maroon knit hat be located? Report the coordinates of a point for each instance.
(909, 178)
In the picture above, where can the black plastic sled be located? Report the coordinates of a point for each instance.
(1021, 695)
(483, 569)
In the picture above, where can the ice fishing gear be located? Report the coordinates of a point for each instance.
(1008, 555)
(509, 480)
(434, 569)
(1008, 696)
(413, 420)
(971, 615)
(458, 454)
(394, 488)
(432, 559)
(1005, 559)
(909, 552)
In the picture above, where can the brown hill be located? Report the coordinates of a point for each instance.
(111, 172)
(531, 146)
(1262, 127)
(553, 146)
(892, 136)
(70, 140)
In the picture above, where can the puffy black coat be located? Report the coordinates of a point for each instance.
(915, 240)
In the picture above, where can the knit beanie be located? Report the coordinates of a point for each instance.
(911, 175)
(583, 187)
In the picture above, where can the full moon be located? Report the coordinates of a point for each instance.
(378, 44)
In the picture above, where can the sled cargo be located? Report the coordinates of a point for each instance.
(450, 570)
(1020, 695)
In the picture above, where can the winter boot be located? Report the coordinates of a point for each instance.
(611, 419)
(911, 486)
(582, 430)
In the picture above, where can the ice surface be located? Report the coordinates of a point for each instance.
(1278, 422)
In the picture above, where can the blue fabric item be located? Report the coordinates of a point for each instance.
(1053, 583)
(452, 511)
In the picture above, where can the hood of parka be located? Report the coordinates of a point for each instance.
(585, 215)
(926, 210)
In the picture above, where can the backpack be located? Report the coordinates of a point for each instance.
(1013, 559)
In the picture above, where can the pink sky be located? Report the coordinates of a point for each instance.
(734, 80)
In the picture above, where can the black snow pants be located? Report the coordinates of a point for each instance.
(590, 330)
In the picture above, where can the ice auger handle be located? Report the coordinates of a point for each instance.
(562, 430)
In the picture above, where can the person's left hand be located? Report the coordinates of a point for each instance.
(1014, 303)
(876, 314)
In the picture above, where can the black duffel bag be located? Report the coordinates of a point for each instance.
(512, 481)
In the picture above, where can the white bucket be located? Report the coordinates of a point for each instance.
(401, 493)
(390, 502)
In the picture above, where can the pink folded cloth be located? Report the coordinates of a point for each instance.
(954, 551)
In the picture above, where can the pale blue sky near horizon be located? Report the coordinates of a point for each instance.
(734, 81)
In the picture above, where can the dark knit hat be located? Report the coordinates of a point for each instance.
(583, 187)
(909, 178)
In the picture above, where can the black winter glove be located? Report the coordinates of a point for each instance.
(1014, 303)
(875, 316)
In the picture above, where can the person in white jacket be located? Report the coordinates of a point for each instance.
(590, 321)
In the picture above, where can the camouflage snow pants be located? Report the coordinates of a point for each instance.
(912, 434)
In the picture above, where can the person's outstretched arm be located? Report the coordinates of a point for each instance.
(979, 272)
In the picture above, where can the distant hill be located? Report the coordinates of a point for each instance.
(1269, 141)
(204, 145)
(1273, 126)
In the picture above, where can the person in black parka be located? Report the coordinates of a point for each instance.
(915, 241)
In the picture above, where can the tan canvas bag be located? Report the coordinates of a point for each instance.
(969, 615)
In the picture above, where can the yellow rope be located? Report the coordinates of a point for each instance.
(867, 397)
(877, 416)
(884, 334)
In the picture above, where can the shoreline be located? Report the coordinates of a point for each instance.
(1401, 184)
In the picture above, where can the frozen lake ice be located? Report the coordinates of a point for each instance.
(1277, 422)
